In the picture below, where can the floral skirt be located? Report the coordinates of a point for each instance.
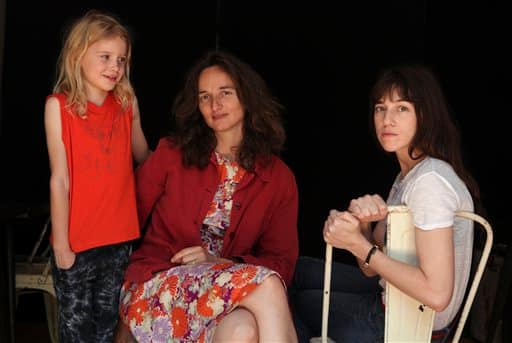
(185, 303)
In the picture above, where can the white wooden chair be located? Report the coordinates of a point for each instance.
(408, 320)
(33, 274)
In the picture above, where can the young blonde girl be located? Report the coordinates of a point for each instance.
(93, 132)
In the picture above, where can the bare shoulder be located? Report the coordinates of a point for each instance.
(135, 102)
(52, 108)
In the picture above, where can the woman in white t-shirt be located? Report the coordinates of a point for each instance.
(411, 120)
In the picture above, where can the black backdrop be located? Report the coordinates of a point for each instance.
(319, 59)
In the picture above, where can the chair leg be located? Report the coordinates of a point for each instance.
(50, 305)
(501, 304)
(327, 294)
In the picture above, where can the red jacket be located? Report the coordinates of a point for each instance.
(263, 229)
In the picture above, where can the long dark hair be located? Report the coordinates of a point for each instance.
(436, 133)
(263, 132)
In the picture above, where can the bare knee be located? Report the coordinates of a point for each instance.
(273, 285)
(245, 332)
(270, 295)
(238, 326)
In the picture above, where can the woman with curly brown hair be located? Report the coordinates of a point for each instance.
(221, 243)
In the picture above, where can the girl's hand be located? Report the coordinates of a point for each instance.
(193, 255)
(368, 208)
(64, 259)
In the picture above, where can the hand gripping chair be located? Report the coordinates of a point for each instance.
(33, 274)
(408, 320)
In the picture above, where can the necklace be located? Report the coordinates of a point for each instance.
(229, 156)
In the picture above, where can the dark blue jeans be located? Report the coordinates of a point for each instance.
(355, 313)
(88, 294)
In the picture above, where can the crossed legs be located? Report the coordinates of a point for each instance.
(263, 316)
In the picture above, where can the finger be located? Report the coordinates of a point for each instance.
(369, 205)
(381, 204)
(354, 206)
(350, 218)
(355, 209)
(189, 260)
(195, 255)
(178, 257)
(331, 216)
(326, 230)
(330, 220)
(339, 224)
(333, 212)
(327, 235)
(373, 209)
(362, 207)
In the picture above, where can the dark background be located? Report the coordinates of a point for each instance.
(319, 59)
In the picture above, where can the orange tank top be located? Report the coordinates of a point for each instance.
(102, 207)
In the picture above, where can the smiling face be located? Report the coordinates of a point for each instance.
(103, 66)
(219, 103)
(395, 123)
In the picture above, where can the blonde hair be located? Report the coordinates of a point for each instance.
(89, 29)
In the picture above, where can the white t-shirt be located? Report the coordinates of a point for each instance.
(433, 192)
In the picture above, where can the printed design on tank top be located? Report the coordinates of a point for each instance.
(105, 137)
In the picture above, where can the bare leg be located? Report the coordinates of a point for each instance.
(123, 334)
(269, 306)
(238, 326)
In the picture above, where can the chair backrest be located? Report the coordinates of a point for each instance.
(479, 270)
(406, 318)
